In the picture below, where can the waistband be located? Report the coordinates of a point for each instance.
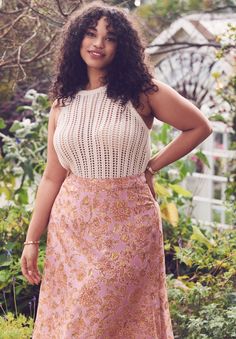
(107, 183)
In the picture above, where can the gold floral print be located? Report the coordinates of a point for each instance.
(104, 274)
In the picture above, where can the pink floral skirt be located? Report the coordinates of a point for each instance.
(104, 270)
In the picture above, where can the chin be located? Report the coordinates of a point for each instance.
(96, 65)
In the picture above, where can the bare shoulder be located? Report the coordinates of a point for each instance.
(148, 99)
(163, 93)
(171, 107)
(55, 111)
(53, 170)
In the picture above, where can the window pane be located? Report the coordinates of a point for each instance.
(220, 166)
(216, 215)
(217, 190)
(218, 140)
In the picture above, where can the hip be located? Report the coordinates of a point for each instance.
(121, 198)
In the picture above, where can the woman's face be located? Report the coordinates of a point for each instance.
(99, 45)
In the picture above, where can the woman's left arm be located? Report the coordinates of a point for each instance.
(170, 107)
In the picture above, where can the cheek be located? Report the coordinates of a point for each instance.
(113, 50)
(81, 47)
(83, 50)
(84, 44)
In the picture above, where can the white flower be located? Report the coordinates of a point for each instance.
(173, 173)
(26, 122)
(30, 94)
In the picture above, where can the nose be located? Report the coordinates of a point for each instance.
(98, 43)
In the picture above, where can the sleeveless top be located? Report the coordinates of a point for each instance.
(96, 137)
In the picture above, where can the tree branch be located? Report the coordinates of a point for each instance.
(171, 50)
(19, 62)
(39, 55)
(219, 8)
(76, 7)
(185, 44)
(60, 9)
(11, 25)
(43, 16)
(12, 12)
(40, 52)
(14, 65)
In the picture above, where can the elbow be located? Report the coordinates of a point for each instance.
(208, 129)
(203, 131)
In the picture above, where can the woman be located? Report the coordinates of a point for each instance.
(104, 272)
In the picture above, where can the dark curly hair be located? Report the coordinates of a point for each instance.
(128, 74)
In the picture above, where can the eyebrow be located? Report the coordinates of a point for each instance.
(109, 32)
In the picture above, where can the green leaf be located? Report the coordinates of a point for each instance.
(161, 190)
(217, 117)
(216, 75)
(4, 276)
(203, 158)
(164, 135)
(180, 190)
(6, 192)
(5, 260)
(2, 123)
(21, 277)
(183, 257)
(43, 101)
(23, 196)
(28, 169)
(24, 108)
(199, 236)
(15, 126)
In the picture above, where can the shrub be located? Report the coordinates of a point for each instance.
(15, 328)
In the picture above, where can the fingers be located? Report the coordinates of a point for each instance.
(25, 272)
(34, 274)
(30, 271)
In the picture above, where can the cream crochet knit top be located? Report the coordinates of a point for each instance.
(96, 137)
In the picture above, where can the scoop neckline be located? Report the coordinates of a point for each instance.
(91, 91)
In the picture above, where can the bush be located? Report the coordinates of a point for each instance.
(15, 328)
(24, 153)
(16, 293)
(203, 296)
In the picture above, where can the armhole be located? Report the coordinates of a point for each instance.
(138, 116)
(58, 115)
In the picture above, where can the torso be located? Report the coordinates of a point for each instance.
(96, 137)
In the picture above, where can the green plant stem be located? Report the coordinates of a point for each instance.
(14, 294)
(4, 297)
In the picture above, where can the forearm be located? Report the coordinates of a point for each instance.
(179, 147)
(46, 194)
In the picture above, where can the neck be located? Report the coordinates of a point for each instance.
(95, 78)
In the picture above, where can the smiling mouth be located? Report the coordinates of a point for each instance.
(96, 54)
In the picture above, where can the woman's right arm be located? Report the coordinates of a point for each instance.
(49, 186)
(52, 178)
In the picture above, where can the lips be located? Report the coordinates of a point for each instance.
(96, 54)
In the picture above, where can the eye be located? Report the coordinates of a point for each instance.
(113, 39)
(89, 33)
